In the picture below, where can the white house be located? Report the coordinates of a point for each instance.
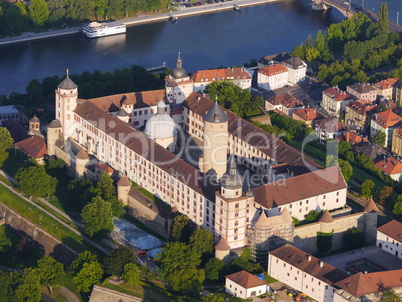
(386, 122)
(304, 272)
(389, 238)
(335, 100)
(283, 102)
(272, 77)
(244, 285)
(297, 70)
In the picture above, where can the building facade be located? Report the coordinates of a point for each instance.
(386, 122)
(362, 91)
(284, 102)
(272, 77)
(389, 238)
(335, 100)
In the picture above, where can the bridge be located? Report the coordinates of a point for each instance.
(347, 8)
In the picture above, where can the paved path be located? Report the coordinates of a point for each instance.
(142, 19)
(68, 294)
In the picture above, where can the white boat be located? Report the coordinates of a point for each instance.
(97, 29)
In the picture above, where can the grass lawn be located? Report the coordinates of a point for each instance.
(146, 290)
(360, 176)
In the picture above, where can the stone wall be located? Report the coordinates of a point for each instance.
(306, 235)
(51, 246)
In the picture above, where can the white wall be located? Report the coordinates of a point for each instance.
(389, 244)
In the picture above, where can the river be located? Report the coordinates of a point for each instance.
(205, 41)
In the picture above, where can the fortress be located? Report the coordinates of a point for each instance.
(148, 137)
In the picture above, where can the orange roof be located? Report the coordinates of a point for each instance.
(221, 74)
(245, 279)
(390, 166)
(371, 206)
(387, 119)
(33, 146)
(353, 138)
(337, 95)
(331, 125)
(392, 229)
(363, 284)
(284, 99)
(308, 114)
(273, 69)
(385, 84)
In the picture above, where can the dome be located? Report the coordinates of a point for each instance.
(179, 72)
(160, 125)
(232, 180)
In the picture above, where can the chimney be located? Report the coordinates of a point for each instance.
(321, 263)
(309, 258)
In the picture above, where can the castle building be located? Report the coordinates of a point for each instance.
(178, 85)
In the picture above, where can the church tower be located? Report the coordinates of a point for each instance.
(66, 101)
(215, 142)
(178, 84)
(231, 208)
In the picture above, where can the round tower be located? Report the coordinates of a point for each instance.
(53, 134)
(222, 250)
(215, 143)
(123, 188)
(81, 160)
(66, 101)
(326, 221)
(34, 126)
(232, 182)
(370, 221)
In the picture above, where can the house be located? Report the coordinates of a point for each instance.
(362, 91)
(9, 112)
(390, 166)
(307, 115)
(33, 147)
(386, 88)
(353, 138)
(389, 238)
(239, 76)
(17, 131)
(373, 151)
(335, 100)
(386, 122)
(283, 102)
(272, 77)
(304, 272)
(296, 66)
(366, 286)
(398, 92)
(356, 113)
(397, 141)
(329, 128)
(244, 285)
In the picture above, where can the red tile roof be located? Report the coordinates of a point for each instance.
(392, 229)
(284, 99)
(299, 187)
(337, 95)
(314, 267)
(362, 107)
(353, 138)
(273, 69)
(245, 279)
(331, 125)
(33, 146)
(385, 84)
(220, 74)
(390, 166)
(363, 284)
(308, 114)
(387, 119)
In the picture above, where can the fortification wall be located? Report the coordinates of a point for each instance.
(51, 245)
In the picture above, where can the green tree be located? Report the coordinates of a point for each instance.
(49, 271)
(6, 142)
(346, 169)
(383, 16)
(353, 238)
(297, 51)
(367, 188)
(213, 268)
(5, 242)
(244, 262)
(90, 274)
(388, 295)
(39, 12)
(105, 185)
(179, 268)
(397, 206)
(97, 217)
(84, 257)
(29, 289)
(379, 138)
(385, 194)
(9, 283)
(117, 259)
(34, 181)
(331, 161)
(202, 241)
(180, 223)
(131, 274)
(343, 148)
(313, 216)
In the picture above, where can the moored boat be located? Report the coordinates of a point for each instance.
(102, 29)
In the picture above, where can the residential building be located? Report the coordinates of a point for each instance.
(389, 238)
(356, 113)
(386, 122)
(9, 112)
(272, 77)
(283, 102)
(398, 92)
(238, 76)
(329, 128)
(308, 115)
(390, 166)
(304, 272)
(244, 285)
(335, 100)
(353, 138)
(386, 88)
(362, 91)
(397, 141)
(374, 151)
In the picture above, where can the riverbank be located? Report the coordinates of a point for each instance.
(142, 19)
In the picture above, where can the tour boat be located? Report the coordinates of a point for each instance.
(96, 29)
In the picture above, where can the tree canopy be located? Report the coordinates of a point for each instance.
(34, 181)
(90, 274)
(117, 259)
(97, 217)
(202, 241)
(6, 142)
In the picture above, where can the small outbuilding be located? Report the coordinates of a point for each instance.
(244, 285)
